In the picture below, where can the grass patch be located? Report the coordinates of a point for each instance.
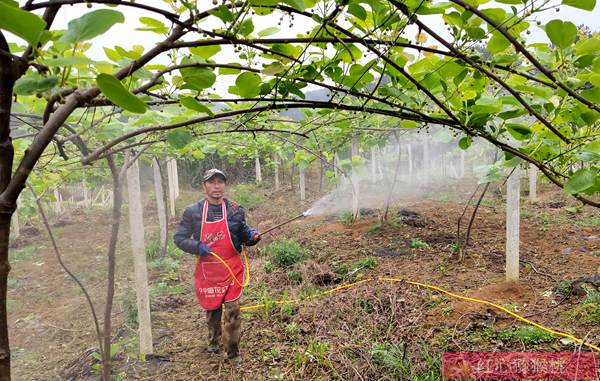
(398, 362)
(588, 311)
(24, 254)
(154, 250)
(286, 252)
(527, 335)
(366, 263)
(417, 243)
(346, 217)
(247, 195)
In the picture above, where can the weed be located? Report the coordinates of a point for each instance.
(417, 243)
(163, 288)
(286, 309)
(154, 250)
(374, 229)
(269, 305)
(13, 305)
(286, 252)
(169, 268)
(454, 247)
(366, 263)
(592, 221)
(588, 311)
(292, 329)
(268, 266)
(295, 276)
(247, 195)
(23, 254)
(129, 307)
(273, 354)
(314, 353)
(347, 217)
(527, 335)
(397, 361)
(436, 301)
(441, 268)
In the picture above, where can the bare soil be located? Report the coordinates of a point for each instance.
(353, 334)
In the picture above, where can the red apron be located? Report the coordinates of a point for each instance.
(214, 284)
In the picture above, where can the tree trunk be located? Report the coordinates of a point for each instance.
(57, 205)
(355, 181)
(302, 184)
(16, 226)
(257, 168)
(336, 163)
(176, 178)
(136, 233)
(117, 200)
(512, 225)
(7, 206)
(410, 159)
(373, 165)
(160, 205)
(276, 170)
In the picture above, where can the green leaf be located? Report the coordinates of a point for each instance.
(91, 24)
(193, 104)
(268, 31)
(519, 131)
(581, 180)
(273, 68)
(179, 138)
(587, 5)
(296, 4)
(205, 51)
(465, 142)
(67, 61)
(197, 78)
(510, 1)
(562, 34)
(589, 46)
(223, 13)
(226, 70)
(34, 83)
(114, 90)
(153, 25)
(590, 152)
(248, 84)
(357, 11)
(24, 24)
(497, 43)
(246, 27)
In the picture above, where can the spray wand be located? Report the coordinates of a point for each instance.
(284, 223)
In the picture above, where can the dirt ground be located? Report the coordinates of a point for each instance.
(374, 330)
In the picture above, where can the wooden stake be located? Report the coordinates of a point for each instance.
(533, 173)
(136, 230)
(276, 170)
(171, 180)
(160, 202)
(302, 184)
(512, 225)
(257, 167)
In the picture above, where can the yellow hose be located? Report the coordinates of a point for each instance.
(246, 267)
(392, 280)
(499, 307)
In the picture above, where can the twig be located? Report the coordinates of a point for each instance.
(62, 264)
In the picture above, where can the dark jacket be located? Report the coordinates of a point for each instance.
(188, 232)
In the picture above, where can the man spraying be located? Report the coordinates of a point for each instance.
(217, 226)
